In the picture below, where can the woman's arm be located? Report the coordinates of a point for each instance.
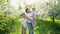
(29, 18)
(25, 17)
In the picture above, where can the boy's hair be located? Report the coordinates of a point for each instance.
(34, 8)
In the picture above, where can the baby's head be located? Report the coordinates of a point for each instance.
(33, 9)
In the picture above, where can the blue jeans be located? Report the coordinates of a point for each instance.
(30, 28)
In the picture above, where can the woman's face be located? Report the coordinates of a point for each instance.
(28, 11)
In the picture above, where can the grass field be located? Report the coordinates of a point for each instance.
(45, 26)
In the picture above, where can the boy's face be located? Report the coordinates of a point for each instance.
(33, 9)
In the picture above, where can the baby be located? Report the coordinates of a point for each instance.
(34, 16)
(34, 12)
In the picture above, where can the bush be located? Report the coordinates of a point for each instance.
(9, 24)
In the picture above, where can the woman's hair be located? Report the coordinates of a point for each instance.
(26, 10)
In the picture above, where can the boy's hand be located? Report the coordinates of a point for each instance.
(32, 20)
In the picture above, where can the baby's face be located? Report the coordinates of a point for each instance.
(33, 9)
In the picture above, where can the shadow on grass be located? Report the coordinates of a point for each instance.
(3, 31)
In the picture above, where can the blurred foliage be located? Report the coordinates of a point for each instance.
(54, 7)
(45, 26)
(20, 7)
(46, 8)
(1, 1)
(9, 24)
(28, 5)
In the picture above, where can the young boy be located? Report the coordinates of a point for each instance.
(34, 16)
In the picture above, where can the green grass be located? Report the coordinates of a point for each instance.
(45, 26)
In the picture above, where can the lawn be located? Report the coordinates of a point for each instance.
(45, 26)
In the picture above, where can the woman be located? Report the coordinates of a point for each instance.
(30, 20)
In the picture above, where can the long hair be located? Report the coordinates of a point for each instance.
(26, 10)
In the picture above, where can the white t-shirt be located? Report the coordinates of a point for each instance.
(24, 21)
(30, 16)
(34, 14)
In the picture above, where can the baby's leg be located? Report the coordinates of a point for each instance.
(34, 24)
